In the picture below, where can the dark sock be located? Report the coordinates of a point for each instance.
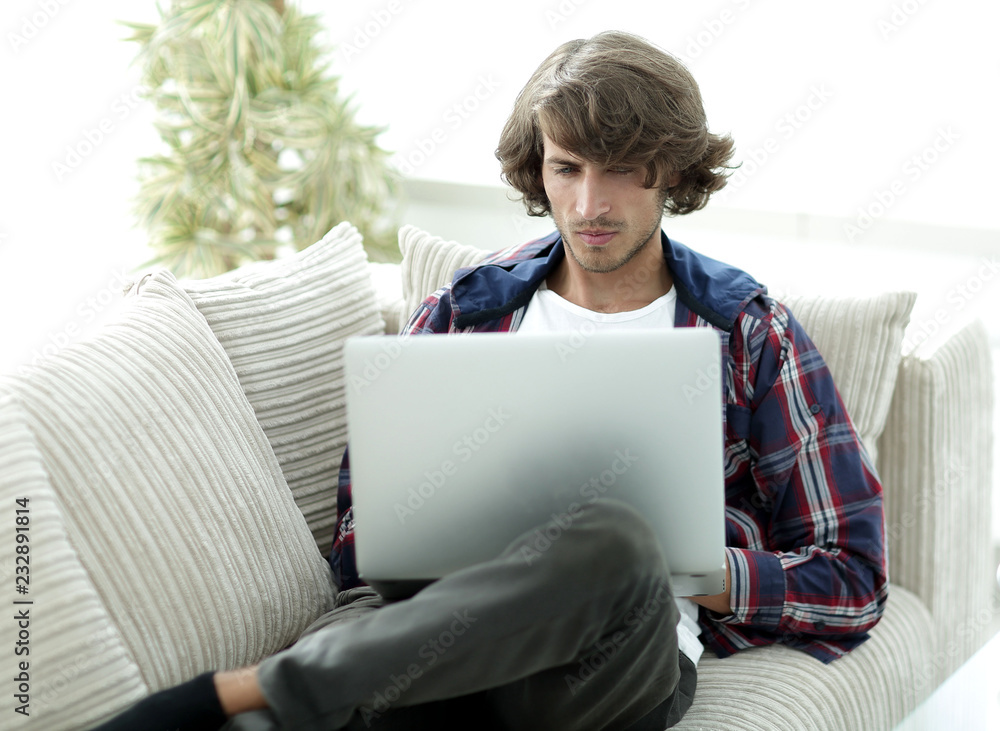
(191, 706)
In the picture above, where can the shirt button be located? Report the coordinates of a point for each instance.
(815, 408)
(820, 626)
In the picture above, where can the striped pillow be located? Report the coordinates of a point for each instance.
(78, 668)
(861, 340)
(429, 262)
(283, 324)
(170, 493)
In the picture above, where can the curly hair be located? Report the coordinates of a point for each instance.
(615, 99)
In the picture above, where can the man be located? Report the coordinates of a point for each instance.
(608, 135)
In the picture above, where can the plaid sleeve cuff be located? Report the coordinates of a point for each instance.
(757, 591)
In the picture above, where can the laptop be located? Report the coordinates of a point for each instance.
(461, 443)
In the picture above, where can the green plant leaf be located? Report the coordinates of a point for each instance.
(257, 137)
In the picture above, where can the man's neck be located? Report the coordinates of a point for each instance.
(631, 287)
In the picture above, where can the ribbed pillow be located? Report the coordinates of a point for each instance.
(171, 495)
(861, 340)
(282, 324)
(428, 263)
(78, 668)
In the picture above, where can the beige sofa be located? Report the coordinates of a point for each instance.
(180, 469)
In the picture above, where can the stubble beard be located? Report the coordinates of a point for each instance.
(599, 263)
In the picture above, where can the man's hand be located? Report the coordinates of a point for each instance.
(239, 691)
(717, 602)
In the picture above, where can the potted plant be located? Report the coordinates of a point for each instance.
(262, 149)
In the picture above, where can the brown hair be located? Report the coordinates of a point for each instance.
(615, 99)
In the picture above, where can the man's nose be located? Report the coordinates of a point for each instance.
(592, 198)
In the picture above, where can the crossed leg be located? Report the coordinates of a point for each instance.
(581, 635)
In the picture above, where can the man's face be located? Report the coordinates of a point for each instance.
(605, 216)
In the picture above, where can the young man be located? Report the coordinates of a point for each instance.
(608, 135)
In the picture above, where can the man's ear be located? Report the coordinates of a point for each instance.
(673, 179)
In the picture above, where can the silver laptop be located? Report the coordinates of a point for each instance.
(461, 443)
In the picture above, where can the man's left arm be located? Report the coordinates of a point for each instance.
(806, 556)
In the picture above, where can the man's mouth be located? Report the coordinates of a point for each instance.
(596, 237)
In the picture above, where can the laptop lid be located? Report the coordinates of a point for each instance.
(459, 444)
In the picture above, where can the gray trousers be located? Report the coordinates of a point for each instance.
(577, 632)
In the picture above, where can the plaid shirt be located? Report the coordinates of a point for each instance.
(804, 521)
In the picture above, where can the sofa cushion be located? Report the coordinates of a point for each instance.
(861, 340)
(78, 667)
(860, 337)
(428, 263)
(283, 324)
(776, 688)
(171, 495)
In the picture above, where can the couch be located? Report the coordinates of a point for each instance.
(167, 492)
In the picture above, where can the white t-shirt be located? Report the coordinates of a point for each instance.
(548, 312)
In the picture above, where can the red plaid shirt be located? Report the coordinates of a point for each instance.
(804, 521)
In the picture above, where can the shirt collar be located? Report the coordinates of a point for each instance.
(711, 289)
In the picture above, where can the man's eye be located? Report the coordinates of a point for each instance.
(623, 171)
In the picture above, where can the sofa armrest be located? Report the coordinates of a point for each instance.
(935, 460)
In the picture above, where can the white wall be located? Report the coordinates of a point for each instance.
(72, 131)
(884, 79)
(828, 102)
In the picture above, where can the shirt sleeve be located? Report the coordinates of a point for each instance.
(341, 558)
(805, 522)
